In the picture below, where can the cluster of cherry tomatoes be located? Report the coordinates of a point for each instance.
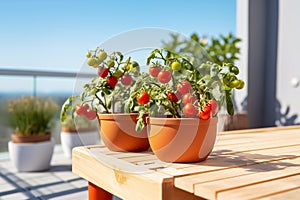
(112, 80)
(85, 110)
(183, 93)
(103, 71)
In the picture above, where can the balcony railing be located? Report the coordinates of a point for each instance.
(43, 73)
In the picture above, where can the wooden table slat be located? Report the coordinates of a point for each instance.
(292, 194)
(263, 189)
(274, 137)
(214, 163)
(187, 182)
(210, 190)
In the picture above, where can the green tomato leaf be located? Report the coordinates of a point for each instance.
(66, 107)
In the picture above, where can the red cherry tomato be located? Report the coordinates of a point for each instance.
(188, 98)
(154, 71)
(126, 80)
(164, 76)
(91, 114)
(144, 98)
(206, 113)
(80, 110)
(189, 110)
(86, 106)
(185, 87)
(172, 97)
(214, 107)
(178, 95)
(112, 81)
(103, 72)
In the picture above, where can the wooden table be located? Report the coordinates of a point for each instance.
(248, 164)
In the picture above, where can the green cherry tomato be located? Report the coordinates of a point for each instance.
(118, 73)
(102, 56)
(110, 63)
(176, 66)
(241, 85)
(91, 61)
(234, 83)
(88, 54)
(93, 91)
(97, 63)
(234, 69)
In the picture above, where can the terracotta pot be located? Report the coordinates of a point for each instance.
(118, 133)
(182, 139)
(18, 138)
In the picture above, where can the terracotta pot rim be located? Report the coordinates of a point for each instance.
(20, 138)
(164, 121)
(115, 115)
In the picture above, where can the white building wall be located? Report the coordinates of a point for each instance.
(288, 63)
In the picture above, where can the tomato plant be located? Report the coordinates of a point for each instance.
(103, 91)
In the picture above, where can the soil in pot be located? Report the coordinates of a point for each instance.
(118, 133)
(182, 139)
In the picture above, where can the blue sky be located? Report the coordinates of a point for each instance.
(56, 33)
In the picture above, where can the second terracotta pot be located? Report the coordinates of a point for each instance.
(118, 133)
(182, 139)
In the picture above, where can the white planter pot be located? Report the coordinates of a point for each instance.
(28, 157)
(71, 140)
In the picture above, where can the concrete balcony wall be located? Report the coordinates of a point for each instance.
(270, 31)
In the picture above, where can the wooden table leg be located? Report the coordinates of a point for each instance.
(97, 193)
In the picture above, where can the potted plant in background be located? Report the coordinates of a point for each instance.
(31, 146)
(182, 101)
(103, 93)
(78, 131)
(222, 49)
